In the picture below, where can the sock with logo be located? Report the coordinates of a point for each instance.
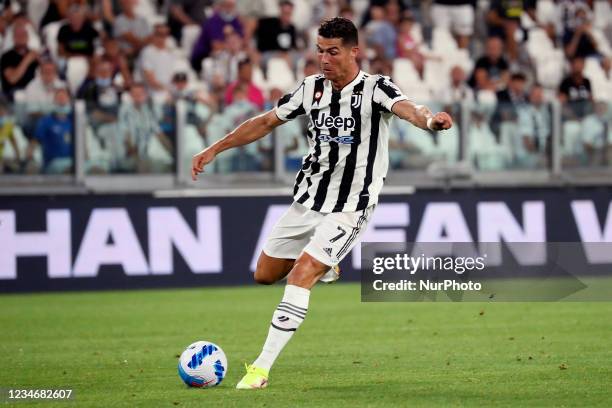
(287, 317)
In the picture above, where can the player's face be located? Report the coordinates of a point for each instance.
(335, 59)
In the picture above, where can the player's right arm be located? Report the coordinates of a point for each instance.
(248, 132)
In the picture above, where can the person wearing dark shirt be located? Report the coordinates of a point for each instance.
(214, 31)
(575, 91)
(509, 100)
(579, 42)
(54, 133)
(19, 64)
(491, 70)
(100, 94)
(277, 33)
(76, 38)
(504, 20)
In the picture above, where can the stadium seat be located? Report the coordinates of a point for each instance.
(190, 36)
(539, 45)
(76, 72)
(546, 12)
(36, 10)
(443, 41)
(571, 140)
(485, 151)
(50, 32)
(404, 73)
(603, 45)
(280, 74)
(549, 71)
(602, 14)
(259, 79)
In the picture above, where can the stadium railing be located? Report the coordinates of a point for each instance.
(490, 146)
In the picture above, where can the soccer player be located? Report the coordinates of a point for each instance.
(336, 189)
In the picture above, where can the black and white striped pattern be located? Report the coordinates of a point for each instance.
(287, 316)
(348, 137)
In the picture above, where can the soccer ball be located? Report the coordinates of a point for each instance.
(202, 364)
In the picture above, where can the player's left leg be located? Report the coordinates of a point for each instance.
(333, 239)
(287, 317)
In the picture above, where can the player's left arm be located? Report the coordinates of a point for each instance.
(421, 116)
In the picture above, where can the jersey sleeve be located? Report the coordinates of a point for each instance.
(386, 93)
(291, 105)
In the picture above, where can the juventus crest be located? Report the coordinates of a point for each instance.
(356, 100)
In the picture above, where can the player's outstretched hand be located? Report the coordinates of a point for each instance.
(199, 161)
(441, 121)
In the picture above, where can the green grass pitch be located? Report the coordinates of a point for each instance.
(120, 349)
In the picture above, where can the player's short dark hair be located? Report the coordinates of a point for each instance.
(518, 76)
(340, 27)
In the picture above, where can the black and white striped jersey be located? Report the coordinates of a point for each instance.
(348, 135)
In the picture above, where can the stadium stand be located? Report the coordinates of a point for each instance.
(528, 83)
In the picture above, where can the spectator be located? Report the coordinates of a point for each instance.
(222, 68)
(132, 31)
(245, 158)
(199, 104)
(184, 13)
(580, 42)
(77, 36)
(380, 66)
(214, 31)
(504, 20)
(245, 78)
(457, 92)
(456, 16)
(277, 33)
(596, 135)
(311, 67)
(137, 128)
(99, 92)
(511, 99)
(181, 89)
(54, 133)
(6, 134)
(407, 45)
(157, 61)
(18, 64)
(40, 93)
(570, 12)
(575, 91)
(39, 96)
(380, 33)
(34, 42)
(491, 70)
(119, 63)
(535, 129)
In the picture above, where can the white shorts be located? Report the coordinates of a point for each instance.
(326, 237)
(459, 19)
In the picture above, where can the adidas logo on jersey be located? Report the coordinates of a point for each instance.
(328, 251)
(335, 122)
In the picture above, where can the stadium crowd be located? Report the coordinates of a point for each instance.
(500, 62)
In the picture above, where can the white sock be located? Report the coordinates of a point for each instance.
(287, 317)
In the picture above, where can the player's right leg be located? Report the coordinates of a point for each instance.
(270, 269)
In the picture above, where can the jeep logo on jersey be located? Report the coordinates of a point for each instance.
(337, 139)
(337, 122)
